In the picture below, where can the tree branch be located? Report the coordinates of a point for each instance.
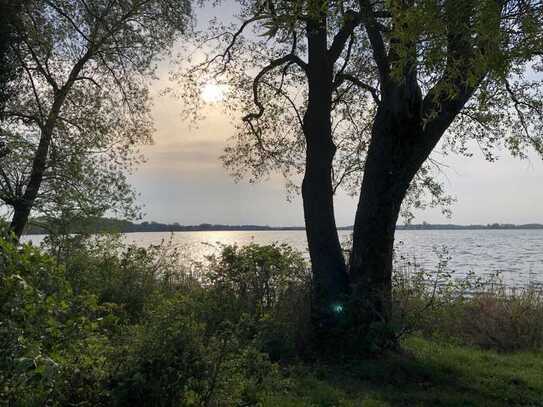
(340, 78)
(369, 17)
(449, 95)
(351, 21)
(272, 65)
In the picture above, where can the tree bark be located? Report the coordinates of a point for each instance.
(330, 280)
(19, 219)
(398, 148)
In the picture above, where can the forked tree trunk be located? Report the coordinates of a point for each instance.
(330, 281)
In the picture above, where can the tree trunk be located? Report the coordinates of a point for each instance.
(397, 150)
(39, 164)
(22, 209)
(330, 281)
(19, 220)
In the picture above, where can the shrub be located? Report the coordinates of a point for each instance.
(267, 290)
(171, 361)
(53, 343)
(124, 275)
(71, 334)
(163, 360)
(260, 277)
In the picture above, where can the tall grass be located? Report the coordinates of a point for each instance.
(472, 310)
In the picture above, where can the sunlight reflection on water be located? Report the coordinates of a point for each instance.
(517, 254)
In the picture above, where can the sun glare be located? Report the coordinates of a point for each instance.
(213, 93)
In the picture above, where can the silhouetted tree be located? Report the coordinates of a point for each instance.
(362, 92)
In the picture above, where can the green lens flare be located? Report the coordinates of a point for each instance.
(337, 308)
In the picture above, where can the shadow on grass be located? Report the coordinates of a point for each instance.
(427, 374)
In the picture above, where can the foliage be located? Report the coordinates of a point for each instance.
(171, 360)
(54, 347)
(104, 323)
(258, 276)
(123, 275)
(72, 130)
(100, 323)
(504, 67)
(9, 12)
(258, 287)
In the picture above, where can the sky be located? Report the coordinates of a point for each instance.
(184, 181)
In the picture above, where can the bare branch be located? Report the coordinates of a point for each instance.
(272, 65)
(340, 78)
(281, 92)
(517, 103)
(87, 78)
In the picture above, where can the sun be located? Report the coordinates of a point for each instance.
(213, 93)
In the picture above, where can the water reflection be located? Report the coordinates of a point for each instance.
(516, 254)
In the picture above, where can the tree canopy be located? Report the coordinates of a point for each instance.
(81, 110)
(263, 59)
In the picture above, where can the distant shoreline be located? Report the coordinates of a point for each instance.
(122, 226)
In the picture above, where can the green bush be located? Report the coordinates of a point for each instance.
(104, 324)
(267, 290)
(171, 360)
(53, 342)
(164, 359)
(123, 275)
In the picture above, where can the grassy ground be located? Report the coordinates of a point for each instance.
(429, 374)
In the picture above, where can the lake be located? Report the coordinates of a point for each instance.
(516, 254)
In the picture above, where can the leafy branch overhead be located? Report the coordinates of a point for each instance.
(396, 42)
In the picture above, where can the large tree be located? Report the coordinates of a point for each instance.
(82, 105)
(285, 86)
(307, 94)
(447, 70)
(369, 89)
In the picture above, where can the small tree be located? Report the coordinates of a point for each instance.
(82, 106)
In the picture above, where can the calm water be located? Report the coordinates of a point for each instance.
(517, 254)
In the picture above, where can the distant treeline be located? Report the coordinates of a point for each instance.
(95, 225)
(428, 226)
